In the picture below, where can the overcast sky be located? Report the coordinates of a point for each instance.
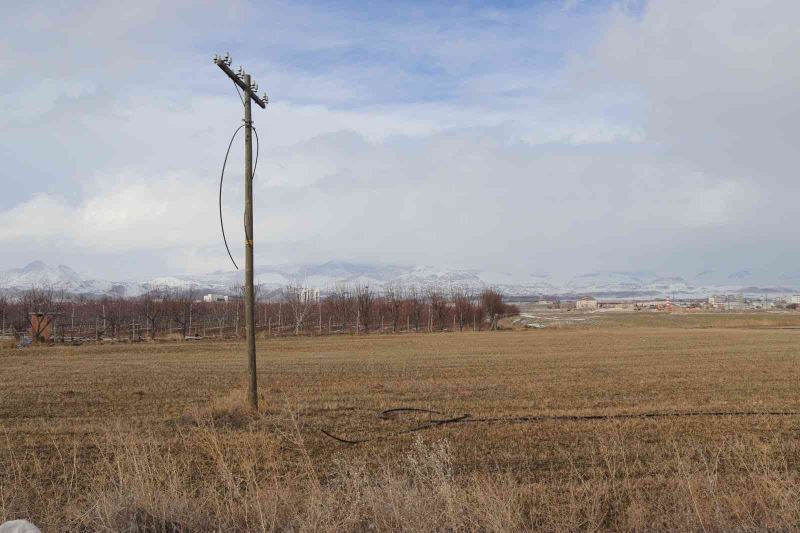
(550, 137)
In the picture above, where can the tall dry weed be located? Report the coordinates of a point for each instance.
(209, 476)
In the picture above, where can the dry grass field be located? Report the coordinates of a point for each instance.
(152, 437)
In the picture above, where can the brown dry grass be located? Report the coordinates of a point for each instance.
(7, 343)
(153, 437)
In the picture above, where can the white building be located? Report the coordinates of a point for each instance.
(215, 298)
(586, 303)
(309, 294)
(794, 299)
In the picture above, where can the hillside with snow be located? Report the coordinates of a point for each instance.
(328, 275)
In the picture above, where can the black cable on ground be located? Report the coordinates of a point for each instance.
(466, 418)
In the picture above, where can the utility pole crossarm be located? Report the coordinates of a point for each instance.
(232, 75)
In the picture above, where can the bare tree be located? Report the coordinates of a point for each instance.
(237, 292)
(492, 303)
(152, 305)
(75, 316)
(341, 303)
(301, 301)
(111, 315)
(478, 317)
(394, 304)
(219, 312)
(5, 312)
(416, 305)
(462, 305)
(365, 299)
(438, 307)
(181, 310)
(16, 316)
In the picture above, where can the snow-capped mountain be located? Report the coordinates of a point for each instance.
(61, 277)
(326, 276)
(38, 273)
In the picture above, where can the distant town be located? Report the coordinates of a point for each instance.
(718, 302)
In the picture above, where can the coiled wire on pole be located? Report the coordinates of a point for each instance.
(222, 178)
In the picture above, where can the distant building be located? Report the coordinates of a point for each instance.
(586, 303)
(729, 302)
(794, 299)
(309, 294)
(566, 305)
(41, 326)
(717, 299)
(655, 305)
(620, 304)
(215, 298)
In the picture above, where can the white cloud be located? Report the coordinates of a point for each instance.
(124, 214)
(719, 79)
(486, 142)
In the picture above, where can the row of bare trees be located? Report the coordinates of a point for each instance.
(154, 313)
(294, 310)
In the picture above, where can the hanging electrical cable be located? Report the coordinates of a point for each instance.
(222, 178)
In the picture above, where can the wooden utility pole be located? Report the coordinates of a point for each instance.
(249, 292)
(243, 81)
